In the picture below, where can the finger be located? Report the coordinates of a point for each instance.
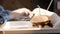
(31, 15)
(26, 13)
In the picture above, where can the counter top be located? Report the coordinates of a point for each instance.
(26, 27)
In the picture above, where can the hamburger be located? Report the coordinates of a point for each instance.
(40, 21)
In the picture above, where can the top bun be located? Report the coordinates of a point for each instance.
(40, 18)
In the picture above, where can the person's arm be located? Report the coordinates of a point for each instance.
(11, 15)
(56, 20)
(19, 13)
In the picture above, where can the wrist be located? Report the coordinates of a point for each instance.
(11, 15)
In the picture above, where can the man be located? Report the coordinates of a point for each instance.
(19, 13)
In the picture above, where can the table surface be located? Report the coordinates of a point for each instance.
(26, 27)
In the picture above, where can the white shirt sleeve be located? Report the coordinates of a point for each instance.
(54, 17)
(56, 20)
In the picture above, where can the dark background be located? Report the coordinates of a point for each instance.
(30, 4)
(43, 4)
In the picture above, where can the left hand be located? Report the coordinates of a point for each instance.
(21, 12)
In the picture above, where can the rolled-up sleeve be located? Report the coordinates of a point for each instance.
(56, 20)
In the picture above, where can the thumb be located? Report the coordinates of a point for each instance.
(31, 15)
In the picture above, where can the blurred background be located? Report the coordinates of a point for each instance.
(31, 4)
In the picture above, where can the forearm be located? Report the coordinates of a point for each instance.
(56, 21)
(11, 15)
(55, 18)
(14, 15)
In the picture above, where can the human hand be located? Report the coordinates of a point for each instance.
(21, 12)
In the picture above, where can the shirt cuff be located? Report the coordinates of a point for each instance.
(7, 17)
